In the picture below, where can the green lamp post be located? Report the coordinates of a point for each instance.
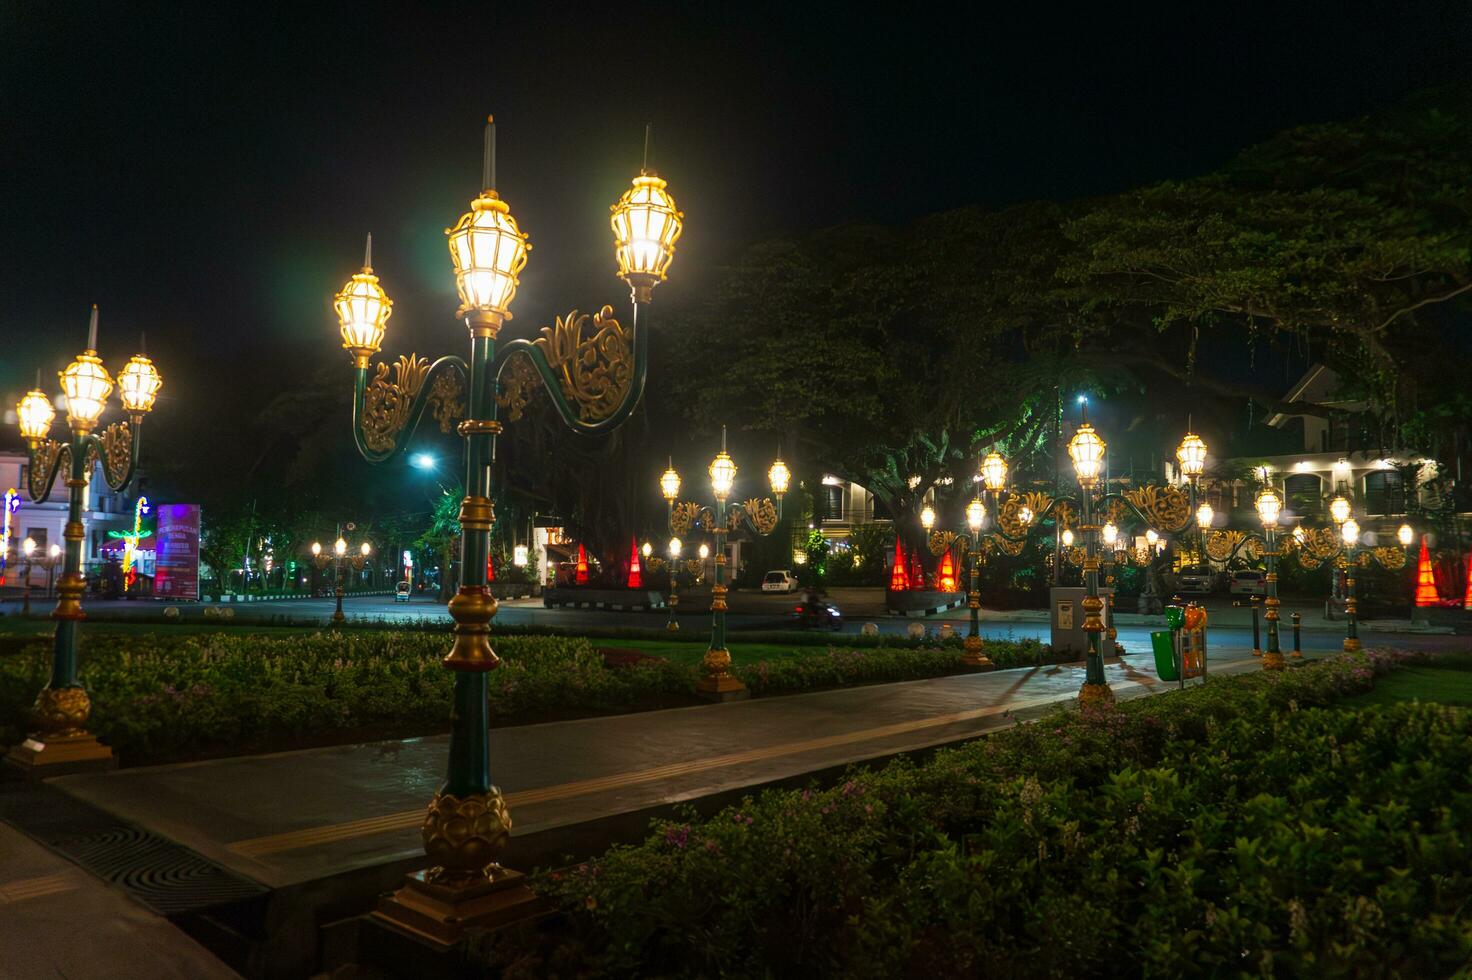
(594, 381)
(59, 738)
(760, 516)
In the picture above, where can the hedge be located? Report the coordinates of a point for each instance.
(1239, 828)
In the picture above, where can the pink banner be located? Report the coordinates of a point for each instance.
(176, 570)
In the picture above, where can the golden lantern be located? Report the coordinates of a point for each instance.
(1067, 537)
(1350, 532)
(1087, 451)
(646, 225)
(722, 474)
(647, 550)
(675, 545)
(316, 548)
(1110, 532)
(1339, 509)
(1204, 516)
(779, 477)
(1406, 535)
(365, 549)
(339, 547)
(927, 517)
(1152, 538)
(489, 252)
(1299, 535)
(1191, 455)
(669, 484)
(994, 472)
(363, 309)
(1269, 506)
(35, 415)
(87, 385)
(138, 385)
(975, 514)
(704, 552)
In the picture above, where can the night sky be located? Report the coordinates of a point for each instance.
(207, 174)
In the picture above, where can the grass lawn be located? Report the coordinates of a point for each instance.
(1445, 680)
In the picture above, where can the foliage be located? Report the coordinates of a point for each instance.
(1236, 826)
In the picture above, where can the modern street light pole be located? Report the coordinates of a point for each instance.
(594, 383)
(60, 737)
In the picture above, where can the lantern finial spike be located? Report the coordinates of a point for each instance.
(368, 253)
(644, 168)
(723, 438)
(488, 161)
(92, 330)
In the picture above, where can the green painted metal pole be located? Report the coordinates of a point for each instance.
(68, 612)
(1272, 658)
(470, 719)
(718, 588)
(1093, 623)
(1351, 603)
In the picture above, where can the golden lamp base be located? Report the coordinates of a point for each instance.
(975, 656)
(721, 687)
(40, 757)
(442, 914)
(1095, 695)
(1273, 661)
(1351, 645)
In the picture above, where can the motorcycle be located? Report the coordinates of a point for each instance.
(817, 613)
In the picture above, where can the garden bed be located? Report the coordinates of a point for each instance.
(174, 696)
(1238, 828)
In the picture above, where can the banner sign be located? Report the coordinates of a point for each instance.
(176, 568)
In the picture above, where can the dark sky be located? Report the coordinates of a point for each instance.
(207, 173)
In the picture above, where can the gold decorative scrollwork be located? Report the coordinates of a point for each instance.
(117, 450)
(47, 455)
(1063, 514)
(1319, 545)
(761, 513)
(386, 404)
(518, 387)
(1391, 558)
(90, 463)
(1011, 548)
(1012, 526)
(1222, 545)
(1167, 508)
(1075, 555)
(1116, 512)
(685, 515)
(595, 372)
(941, 541)
(447, 400)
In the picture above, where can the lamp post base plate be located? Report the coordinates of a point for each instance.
(440, 915)
(975, 656)
(721, 687)
(1095, 694)
(1351, 645)
(39, 759)
(1273, 660)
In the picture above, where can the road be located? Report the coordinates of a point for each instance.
(758, 612)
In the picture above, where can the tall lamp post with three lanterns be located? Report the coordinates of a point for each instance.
(60, 738)
(594, 383)
(761, 516)
(338, 556)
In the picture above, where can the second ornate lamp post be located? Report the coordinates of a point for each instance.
(60, 736)
(338, 556)
(593, 382)
(761, 516)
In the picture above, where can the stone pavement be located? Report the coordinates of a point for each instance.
(56, 920)
(290, 818)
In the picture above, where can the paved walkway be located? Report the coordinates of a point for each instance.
(56, 920)
(294, 817)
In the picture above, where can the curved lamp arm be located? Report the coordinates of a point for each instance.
(48, 457)
(386, 412)
(595, 382)
(117, 447)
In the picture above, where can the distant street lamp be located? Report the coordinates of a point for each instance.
(593, 383)
(60, 736)
(761, 516)
(338, 556)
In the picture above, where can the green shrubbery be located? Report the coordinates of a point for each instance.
(1234, 829)
(174, 696)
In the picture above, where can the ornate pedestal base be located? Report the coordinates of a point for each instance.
(975, 656)
(1351, 644)
(1273, 661)
(1256, 652)
(441, 914)
(1094, 695)
(81, 752)
(718, 684)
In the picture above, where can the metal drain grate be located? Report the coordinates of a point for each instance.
(159, 873)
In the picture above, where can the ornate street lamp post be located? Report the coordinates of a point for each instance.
(761, 516)
(338, 556)
(594, 382)
(1341, 545)
(60, 736)
(970, 540)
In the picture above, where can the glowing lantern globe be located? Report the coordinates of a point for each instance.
(35, 415)
(363, 309)
(1269, 506)
(1350, 531)
(138, 385)
(722, 474)
(1405, 535)
(646, 224)
(1086, 450)
(669, 484)
(87, 385)
(1204, 516)
(975, 514)
(489, 252)
(927, 517)
(994, 472)
(1191, 455)
(779, 477)
(1339, 509)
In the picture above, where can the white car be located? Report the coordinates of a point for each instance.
(781, 581)
(1248, 581)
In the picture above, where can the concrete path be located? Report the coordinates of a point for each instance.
(294, 817)
(56, 920)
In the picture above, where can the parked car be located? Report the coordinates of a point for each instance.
(401, 592)
(780, 581)
(1195, 580)
(1248, 581)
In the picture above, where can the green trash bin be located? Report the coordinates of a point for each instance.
(1163, 643)
(1175, 616)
